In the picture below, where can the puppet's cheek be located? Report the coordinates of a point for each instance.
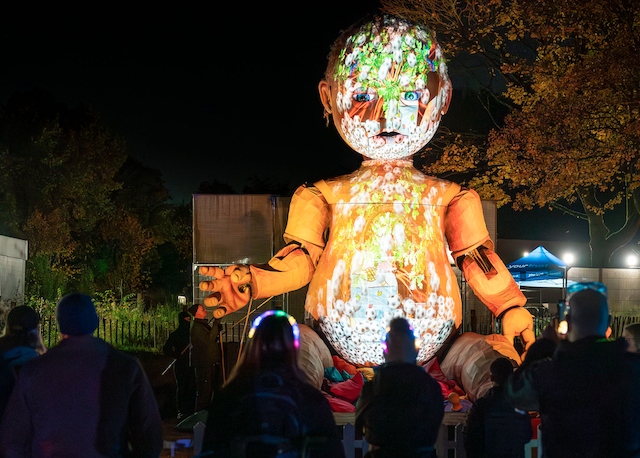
(404, 132)
(357, 135)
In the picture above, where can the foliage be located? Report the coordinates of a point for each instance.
(146, 328)
(126, 244)
(109, 304)
(570, 75)
(94, 217)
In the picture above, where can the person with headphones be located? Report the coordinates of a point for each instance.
(267, 406)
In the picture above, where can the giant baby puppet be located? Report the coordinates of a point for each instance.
(372, 245)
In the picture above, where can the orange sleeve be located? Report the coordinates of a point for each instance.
(309, 218)
(464, 224)
(466, 231)
(497, 289)
(290, 269)
(293, 266)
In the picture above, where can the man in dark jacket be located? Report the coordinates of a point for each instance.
(206, 356)
(401, 409)
(587, 393)
(82, 397)
(495, 429)
(177, 346)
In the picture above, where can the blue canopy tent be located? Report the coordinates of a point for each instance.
(539, 269)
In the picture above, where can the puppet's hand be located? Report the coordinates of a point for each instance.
(517, 321)
(230, 288)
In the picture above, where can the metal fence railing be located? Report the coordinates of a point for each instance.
(542, 318)
(137, 335)
(143, 335)
(150, 335)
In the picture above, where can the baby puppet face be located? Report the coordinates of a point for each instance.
(390, 89)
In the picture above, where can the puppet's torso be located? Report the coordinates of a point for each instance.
(386, 256)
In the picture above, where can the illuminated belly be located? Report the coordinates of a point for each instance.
(379, 264)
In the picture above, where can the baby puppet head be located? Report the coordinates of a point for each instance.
(386, 87)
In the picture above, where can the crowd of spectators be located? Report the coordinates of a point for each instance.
(84, 396)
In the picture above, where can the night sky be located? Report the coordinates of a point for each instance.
(201, 95)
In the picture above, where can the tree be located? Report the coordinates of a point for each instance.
(94, 217)
(62, 164)
(127, 245)
(570, 75)
(51, 252)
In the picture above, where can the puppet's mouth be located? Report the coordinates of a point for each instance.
(388, 138)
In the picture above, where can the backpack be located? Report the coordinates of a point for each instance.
(268, 421)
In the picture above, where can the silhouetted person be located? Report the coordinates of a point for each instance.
(402, 408)
(587, 393)
(267, 397)
(206, 356)
(495, 429)
(82, 397)
(177, 346)
(20, 342)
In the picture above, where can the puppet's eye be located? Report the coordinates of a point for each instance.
(363, 97)
(411, 96)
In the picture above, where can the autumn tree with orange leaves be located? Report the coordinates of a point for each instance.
(569, 74)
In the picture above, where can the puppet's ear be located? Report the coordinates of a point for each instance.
(324, 89)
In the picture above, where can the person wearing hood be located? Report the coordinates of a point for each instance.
(20, 342)
(177, 346)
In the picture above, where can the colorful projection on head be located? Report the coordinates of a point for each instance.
(392, 89)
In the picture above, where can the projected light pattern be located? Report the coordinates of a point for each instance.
(391, 78)
(386, 257)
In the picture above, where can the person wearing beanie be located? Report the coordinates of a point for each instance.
(76, 315)
(20, 343)
(401, 408)
(82, 397)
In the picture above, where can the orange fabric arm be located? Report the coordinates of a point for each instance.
(464, 224)
(290, 269)
(496, 289)
(472, 249)
(293, 266)
(308, 220)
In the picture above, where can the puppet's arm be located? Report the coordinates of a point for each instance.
(486, 274)
(290, 269)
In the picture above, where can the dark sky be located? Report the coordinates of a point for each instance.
(200, 95)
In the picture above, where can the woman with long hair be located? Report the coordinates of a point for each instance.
(267, 407)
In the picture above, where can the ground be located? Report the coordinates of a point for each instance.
(164, 388)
